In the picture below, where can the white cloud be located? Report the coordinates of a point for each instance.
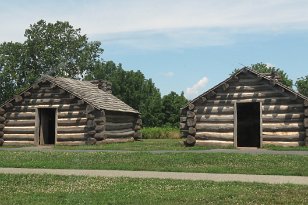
(168, 74)
(197, 88)
(141, 22)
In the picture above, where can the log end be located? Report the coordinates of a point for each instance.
(137, 136)
(1, 142)
(91, 141)
(190, 141)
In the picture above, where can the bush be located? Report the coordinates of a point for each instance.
(160, 133)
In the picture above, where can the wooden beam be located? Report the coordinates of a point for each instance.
(72, 137)
(219, 143)
(284, 144)
(306, 112)
(183, 119)
(183, 126)
(71, 129)
(100, 136)
(215, 135)
(2, 126)
(72, 121)
(13, 143)
(19, 130)
(280, 127)
(306, 103)
(110, 134)
(192, 131)
(90, 141)
(100, 128)
(210, 127)
(1, 134)
(18, 137)
(284, 134)
(1, 142)
(72, 143)
(287, 138)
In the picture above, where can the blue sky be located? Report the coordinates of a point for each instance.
(182, 45)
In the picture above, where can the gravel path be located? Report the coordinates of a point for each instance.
(240, 151)
(270, 179)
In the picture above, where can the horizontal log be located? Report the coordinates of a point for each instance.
(72, 137)
(126, 133)
(20, 122)
(71, 114)
(183, 119)
(109, 141)
(282, 108)
(219, 118)
(118, 126)
(214, 109)
(265, 101)
(242, 95)
(285, 138)
(249, 88)
(47, 101)
(214, 143)
(284, 144)
(71, 129)
(17, 143)
(18, 137)
(120, 118)
(295, 134)
(215, 136)
(222, 127)
(47, 95)
(72, 121)
(284, 116)
(19, 130)
(71, 143)
(282, 126)
(20, 115)
(282, 120)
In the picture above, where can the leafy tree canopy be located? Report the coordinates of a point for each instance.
(54, 49)
(302, 85)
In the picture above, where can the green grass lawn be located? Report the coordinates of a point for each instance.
(179, 162)
(143, 145)
(279, 148)
(51, 189)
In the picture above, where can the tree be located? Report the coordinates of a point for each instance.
(264, 68)
(55, 49)
(171, 108)
(134, 89)
(302, 85)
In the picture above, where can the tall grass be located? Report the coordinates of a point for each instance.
(160, 133)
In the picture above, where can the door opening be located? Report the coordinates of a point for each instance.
(248, 124)
(47, 125)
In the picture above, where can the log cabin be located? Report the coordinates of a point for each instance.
(63, 111)
(249, 109)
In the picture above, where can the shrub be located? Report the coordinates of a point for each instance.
(160, 133)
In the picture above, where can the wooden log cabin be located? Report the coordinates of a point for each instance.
(249, 109)
(65, 111)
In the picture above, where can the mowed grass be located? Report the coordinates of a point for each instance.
(51, 189)
(280, 148)
(177, 162)
(143, 145)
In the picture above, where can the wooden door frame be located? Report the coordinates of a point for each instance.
(37, 124)
(235, 123)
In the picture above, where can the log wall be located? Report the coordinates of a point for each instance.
(211, 120)
(122, 125)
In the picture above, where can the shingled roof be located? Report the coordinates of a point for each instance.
(257, 74)
(90, 93)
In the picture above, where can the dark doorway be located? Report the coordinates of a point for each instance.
(47, 126)
(248, 124)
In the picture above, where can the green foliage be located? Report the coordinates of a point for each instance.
(302, 85)
(53, 189)
(54, 49)
(140, 93)
(160, 133)
(264, 68)
(171, 108)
